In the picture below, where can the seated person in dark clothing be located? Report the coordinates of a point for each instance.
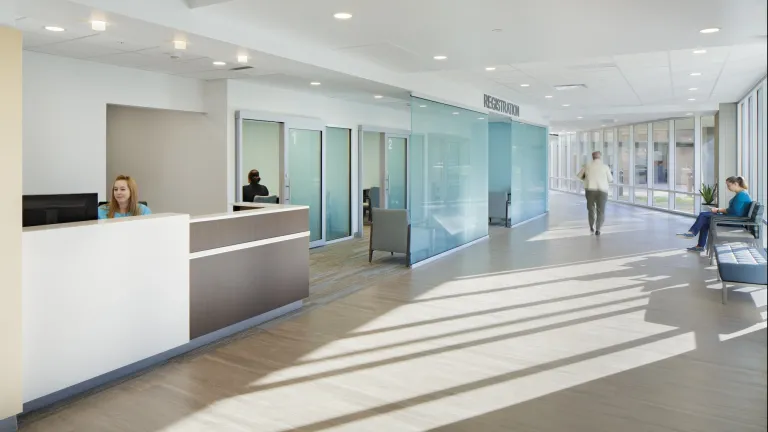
(254, 188)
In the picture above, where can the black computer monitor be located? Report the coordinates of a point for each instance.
(54, 209)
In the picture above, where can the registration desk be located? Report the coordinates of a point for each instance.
(105, 299)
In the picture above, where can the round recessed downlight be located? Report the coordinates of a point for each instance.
(219, 63)
(689, 114)
(422, 106)
(579, 118)
(548, 97)
(525, 85)
(314, 83)
(692, 99)
(693, 89)
(342, 16)
(378, 97)
(54, 28)
(709, 30)
(566, 105)
(98, 25)
(701, 51)
(455, 113)
(440, 57)
(489, 69)
(481, 118)
(696, 74)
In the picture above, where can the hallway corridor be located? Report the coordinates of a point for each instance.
(541, 328)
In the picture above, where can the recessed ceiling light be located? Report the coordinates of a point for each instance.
(481, 118)
(692, 89)
(602, 125)
(497, 30)
(314, 83)
(525, 85)
(490, 68)
(566, 105)
(548, 97)
(219, 63)
(709, 30)
(342, 16)
(691, 99)
(579, 118)
(696, 74)
(689, 114)
(455, 113)
(422, 106)
(378, 97)
(440, 57)
(242, 59)
(701, 51)
(180, 44)
(98, 25)
(54, 29)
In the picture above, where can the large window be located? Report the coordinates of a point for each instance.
(660, 174)
(707, 150)
(751, 152)
(641, 164)
(622, 177)
(684, 165)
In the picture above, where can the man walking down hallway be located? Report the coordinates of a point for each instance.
(597, 178)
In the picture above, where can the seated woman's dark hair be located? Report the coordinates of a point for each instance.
(253, 176)
(739, 180)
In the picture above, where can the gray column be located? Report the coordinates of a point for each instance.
(725, 149)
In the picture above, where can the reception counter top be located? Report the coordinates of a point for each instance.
(104, 299)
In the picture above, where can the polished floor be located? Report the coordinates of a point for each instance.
(542, 328)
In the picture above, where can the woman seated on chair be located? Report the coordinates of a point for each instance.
(737, 207)
(125, 200)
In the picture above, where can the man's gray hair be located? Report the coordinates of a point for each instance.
(596, 155)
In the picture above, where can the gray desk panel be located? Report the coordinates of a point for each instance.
(234, 286)
(231, 231)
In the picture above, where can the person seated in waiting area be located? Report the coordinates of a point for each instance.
(125, 200)
(737, 207)
(254, 187)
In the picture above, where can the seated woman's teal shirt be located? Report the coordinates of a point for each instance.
(739, 205)
(104, 211)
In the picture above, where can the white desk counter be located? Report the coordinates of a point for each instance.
(104, 299)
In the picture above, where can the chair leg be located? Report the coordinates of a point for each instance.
(725, 293)
(370, 255)
(392, 254)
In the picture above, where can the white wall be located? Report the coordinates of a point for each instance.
(171, 155)
(65, 117)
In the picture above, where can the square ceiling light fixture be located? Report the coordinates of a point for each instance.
(563, 87)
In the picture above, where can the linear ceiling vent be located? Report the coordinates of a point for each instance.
(239, 68)
(570, 86)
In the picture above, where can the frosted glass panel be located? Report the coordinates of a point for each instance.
(529, 181)
(448, 178)
(304, 168)
(396, 172)
(337, 177)
(261, 151)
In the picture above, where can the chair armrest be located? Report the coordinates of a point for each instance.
(739, 222)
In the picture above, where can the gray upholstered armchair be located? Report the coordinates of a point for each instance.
(390, 232)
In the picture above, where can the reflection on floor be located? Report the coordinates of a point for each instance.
(534, 330)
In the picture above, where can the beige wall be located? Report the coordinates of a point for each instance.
(172, 155)
(10, 221)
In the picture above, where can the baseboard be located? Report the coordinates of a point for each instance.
(126, 372)
(9, 424)
(529, 220)
(448, 252)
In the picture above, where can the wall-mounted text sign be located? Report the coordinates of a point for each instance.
(501, 106)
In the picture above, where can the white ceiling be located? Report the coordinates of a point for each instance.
(635, 57)
(140, 45)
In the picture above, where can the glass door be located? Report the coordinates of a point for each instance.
(396, 171)
(303, 177)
